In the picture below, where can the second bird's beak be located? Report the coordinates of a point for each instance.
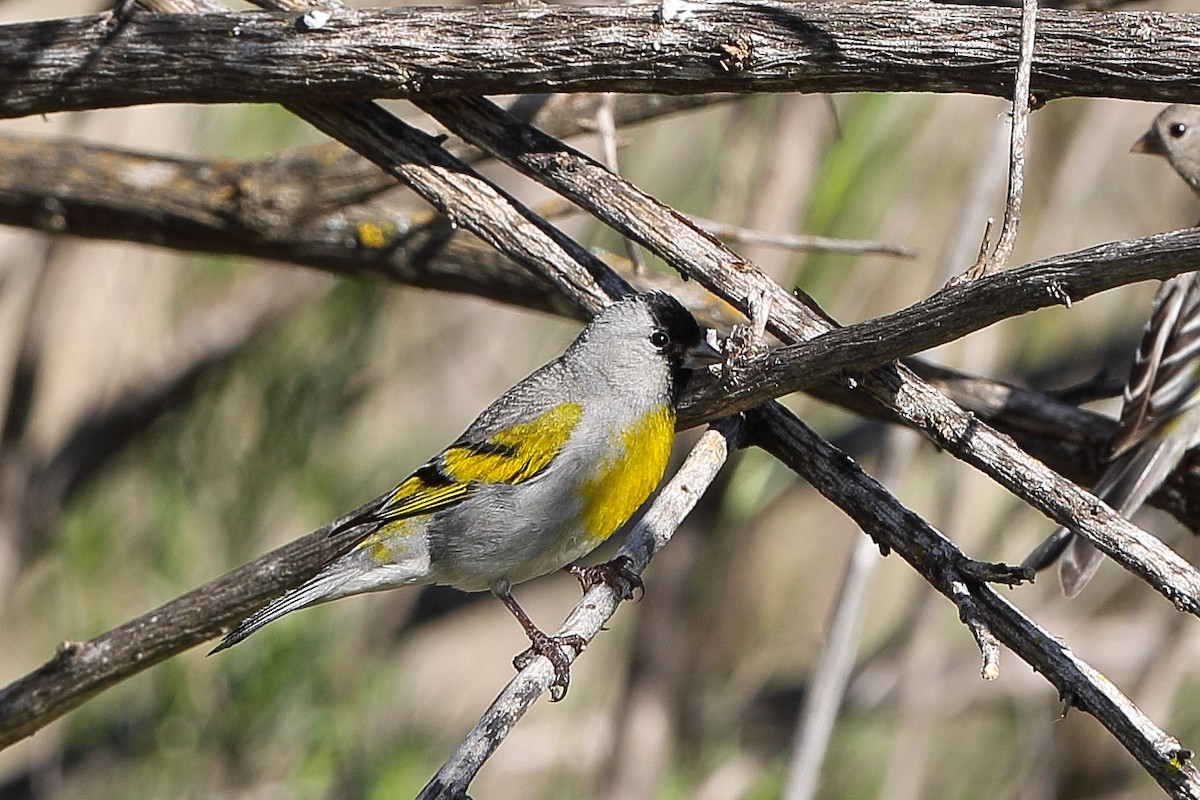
(1149, 144)
(701, 354)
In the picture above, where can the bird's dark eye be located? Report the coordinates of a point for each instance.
(660, 339)
(1176, 129)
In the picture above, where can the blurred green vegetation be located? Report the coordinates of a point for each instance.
(365, 697)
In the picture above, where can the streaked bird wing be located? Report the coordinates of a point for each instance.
(1164, 379)
(1153, 432)
(511, 455)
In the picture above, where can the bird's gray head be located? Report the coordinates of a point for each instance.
(1175, 135)
(649, 332)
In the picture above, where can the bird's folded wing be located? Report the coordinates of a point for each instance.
(510, 456)
(1163, 381)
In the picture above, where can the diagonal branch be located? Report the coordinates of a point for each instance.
(1072, 441)
(468, 199)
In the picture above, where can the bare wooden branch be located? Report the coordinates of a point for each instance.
(334, 175)
(88, 62)
(1071, 441)
(948, 570)
(973, 618)
(200, 206)
(469, 200)
(315, 180)
(606, 127)
(651, 534)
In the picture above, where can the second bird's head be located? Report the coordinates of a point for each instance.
(1175, 135)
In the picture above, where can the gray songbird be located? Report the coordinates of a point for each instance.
(545, 474)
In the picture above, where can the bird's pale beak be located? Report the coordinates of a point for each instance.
(701, 354)
(1149, 144)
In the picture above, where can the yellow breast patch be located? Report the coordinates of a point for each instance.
(624, 482)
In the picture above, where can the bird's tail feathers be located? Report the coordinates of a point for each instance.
(1125, 487)
(1048, 551)
(1077, 559)
(317, 590)
(1078, 565)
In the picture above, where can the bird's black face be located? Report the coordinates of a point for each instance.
(677, 336)
(675, 329)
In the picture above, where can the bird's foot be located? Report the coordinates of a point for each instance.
(553, 648)
(618, 574)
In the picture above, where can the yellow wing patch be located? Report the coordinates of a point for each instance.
(423, 493)
(513, 455)
(518, 452)
(623, 484)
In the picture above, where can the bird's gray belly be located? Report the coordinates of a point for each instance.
(507, 533)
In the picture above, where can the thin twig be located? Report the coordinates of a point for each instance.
(1020, 129)
(606, 127)
(973, 618)
(1016, 154)
(654, 530)
(827, 689)
(801, 242)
